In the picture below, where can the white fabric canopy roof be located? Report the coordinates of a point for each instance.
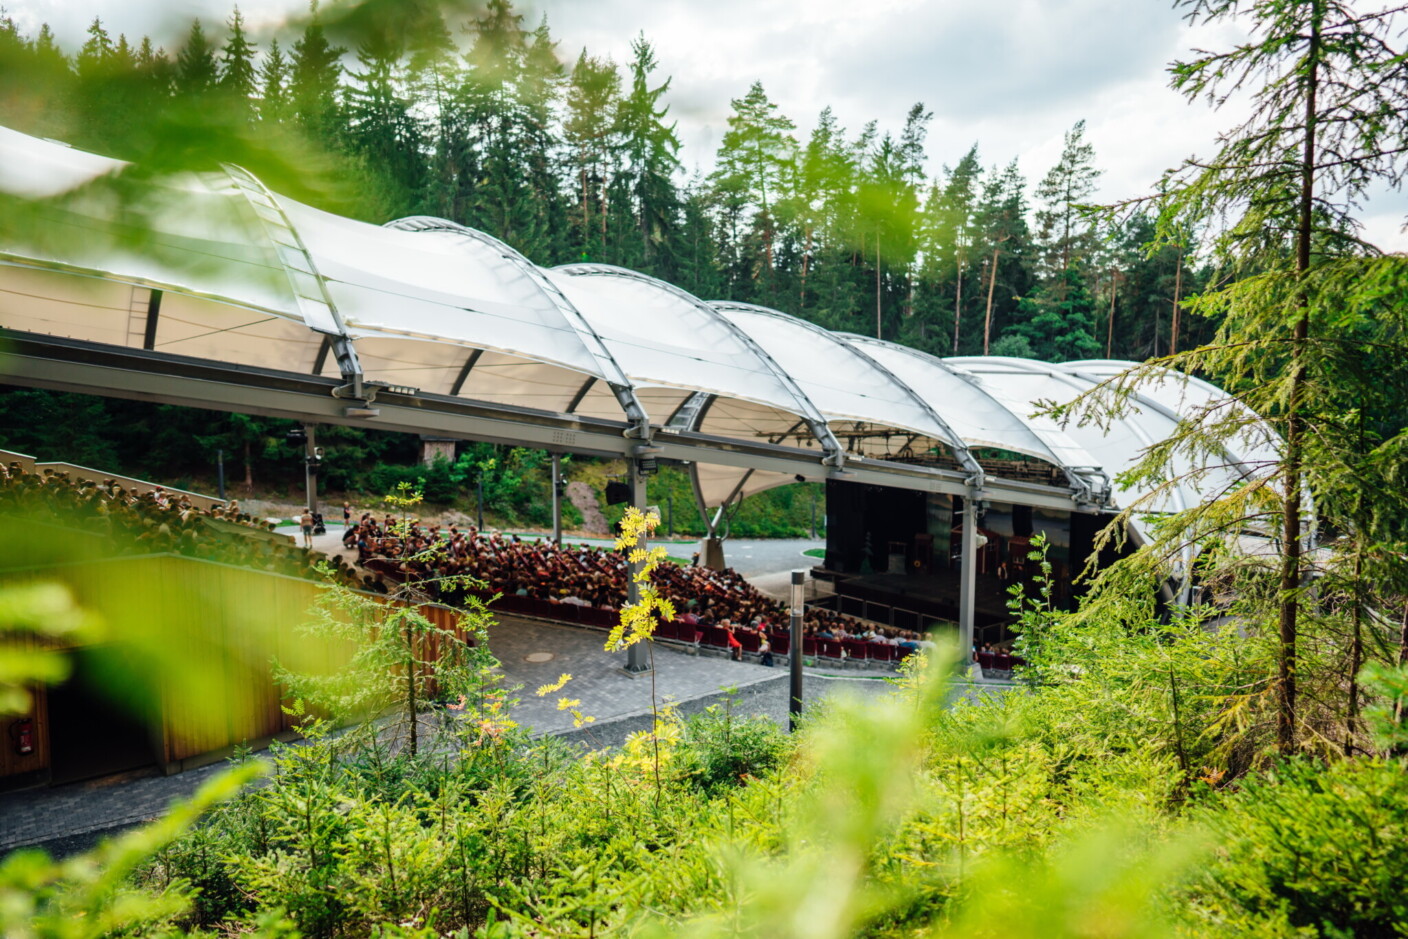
(214, 266)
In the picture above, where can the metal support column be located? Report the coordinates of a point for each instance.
(557, 498)
(794, 656)
(310, 466)
(637, 659)
(967, 581)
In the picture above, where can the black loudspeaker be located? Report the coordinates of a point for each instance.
(616, 493)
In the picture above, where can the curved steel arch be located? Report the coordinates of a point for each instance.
(319, 312)
(816, 422)
(1095, 495)
(620, 385)
(960, 449)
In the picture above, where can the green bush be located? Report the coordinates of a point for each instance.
(722, 751)
(1310, 849)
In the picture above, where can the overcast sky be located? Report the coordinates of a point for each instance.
(1010, 75)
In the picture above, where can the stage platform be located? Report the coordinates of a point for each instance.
(921, 601)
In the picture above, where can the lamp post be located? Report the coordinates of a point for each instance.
(557, 498)
(310, 466)
(794, 707)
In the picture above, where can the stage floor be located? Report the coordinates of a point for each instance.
(925, 597)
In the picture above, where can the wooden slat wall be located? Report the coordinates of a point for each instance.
(226, 623)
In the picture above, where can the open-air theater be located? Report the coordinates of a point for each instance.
(210, 291)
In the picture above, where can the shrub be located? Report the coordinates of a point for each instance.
(721, 750)
(1312, 849)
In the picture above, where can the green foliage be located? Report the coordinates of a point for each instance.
(721, 751)
(90, 895)
(1310, 850)
(399, 658)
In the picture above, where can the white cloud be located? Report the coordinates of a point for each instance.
(1012, 75)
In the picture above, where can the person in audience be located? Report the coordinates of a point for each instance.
(157, 522)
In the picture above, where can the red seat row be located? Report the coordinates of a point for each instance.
(999, 661)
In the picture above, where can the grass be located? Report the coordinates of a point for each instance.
(815, 553)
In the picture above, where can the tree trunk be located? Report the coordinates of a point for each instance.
(1295, 426)
(586, 209)
(806, 258)
(958, 306)
(1356, 654)
(1110, 322)
(248, 469)
(987, 317)
(1177, 297)
(877, 287)
(411, 678)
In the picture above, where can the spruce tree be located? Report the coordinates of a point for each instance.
(1068, 185)
(650, 152)
(273, 85)
(196, 70)
(313, 83)
(237, 74)
(1305, 305)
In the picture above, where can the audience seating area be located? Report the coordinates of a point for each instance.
(144, 518)
(717, 610)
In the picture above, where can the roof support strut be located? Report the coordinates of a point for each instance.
(310, 289)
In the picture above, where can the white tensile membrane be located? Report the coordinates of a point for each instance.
(266, 283)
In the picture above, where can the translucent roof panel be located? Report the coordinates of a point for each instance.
(718, 483)
(663, 337)
(1018, 389)
(198, 232)
(1114, 449)
(843, 383)
(979, 418)
(1257, 447)
(39, 169)
(437, 287)
(117, 313)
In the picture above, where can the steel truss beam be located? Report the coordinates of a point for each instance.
(59, 364)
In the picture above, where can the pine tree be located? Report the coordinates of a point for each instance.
(1065, 237)
(590, 133)
(1008, 251)
(753, 164)
(273, 85)
(650, 151)
(949, 227)
(819, 200)
(237, 75)
(887, 218)
(196, 69)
